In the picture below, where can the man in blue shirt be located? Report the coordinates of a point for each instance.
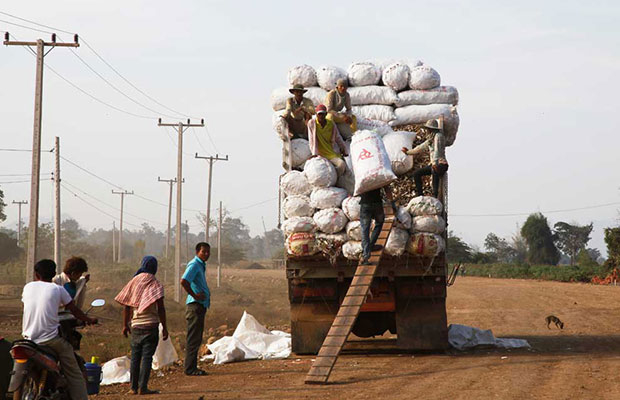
(194, 282)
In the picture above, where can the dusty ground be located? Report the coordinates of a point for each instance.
(580, 362)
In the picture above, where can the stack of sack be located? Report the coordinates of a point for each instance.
(427, 227)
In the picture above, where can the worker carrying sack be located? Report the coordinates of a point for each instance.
(371, 164)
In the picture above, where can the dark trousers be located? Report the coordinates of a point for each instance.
(428, 170)
(297, 127)
(143, 346)
(369, 212)
(195, 316)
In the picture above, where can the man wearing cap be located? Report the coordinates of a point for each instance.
(337, 100)
(323, 137)
(436, 147)
(299, 110)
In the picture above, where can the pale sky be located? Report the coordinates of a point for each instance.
(538, 84)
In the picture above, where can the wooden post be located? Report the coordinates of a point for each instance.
(219, 248)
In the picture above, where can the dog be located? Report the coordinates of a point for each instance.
(555, 320)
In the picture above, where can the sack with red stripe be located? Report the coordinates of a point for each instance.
(301, 244)
(424, 244)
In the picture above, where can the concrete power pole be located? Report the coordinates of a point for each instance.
(120, 231)
(170, 182)
(19, 219)
(57, 205)
(219, 248)
(211, 161)
(113, 241)
(33, 223)
(177, 237)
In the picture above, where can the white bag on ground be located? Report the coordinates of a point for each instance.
(354, 230)
(316, 94)
(117, 370)
(397, 242)
(423, 77)
(328, 75)
(365, 95)
(165, 354)
(419, 114)
(320, 172)
(295, 183)
(301, 244)
(371, 164)
(379, 127)
(300, 150)
(438, 95)
(425, 244)
(329, 197)
(352, 250)
(351, 207)
(303, 75)
(378, 112)
(424, 205)
(403, 218)
(428, 223)
(394, 143)
(297, 206)
(363, 74)
(396, 76)
(298, 224)
(330, 220)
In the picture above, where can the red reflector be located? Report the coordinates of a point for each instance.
(21, 353)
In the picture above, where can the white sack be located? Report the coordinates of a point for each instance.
(354, 230)
(438, 95)
(347, 180)
(279, 124)
(279, 97)
(297, 206)
(330, 220)
(330, 197)
(352, 250)
(424, 205)
(333, 239)
(420, 114)
(451, 126)
(423, 244)
(403, 218)
(165, 354)
(379, 127)
(303, 75)
(396, 76)
(328, 75)
(300, 150)
(397, 242)
(351, 208)
(428, 223)
(298, 224)
(371, 164)
(301, 244)
(378, 112)
(394, 143)
(316, 94)
(295, 182)
(251, 341)
(320, 172)
(363, 74)
(116, 371)
(365, 95)
(463, 337)
(423, 77)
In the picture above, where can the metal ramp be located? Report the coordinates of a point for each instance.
(349, 309)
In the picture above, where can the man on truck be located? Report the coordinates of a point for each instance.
(299, 110)
(337, 100)
(324, 137)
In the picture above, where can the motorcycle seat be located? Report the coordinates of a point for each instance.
(43, 349)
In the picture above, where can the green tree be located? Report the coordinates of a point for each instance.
(570, 239)
(2, 205)
(499, 248)
(539, 239)
(584, 259)
(457, 249)
(612, 240)
(9, 250)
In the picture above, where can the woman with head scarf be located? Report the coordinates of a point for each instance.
(143, 298)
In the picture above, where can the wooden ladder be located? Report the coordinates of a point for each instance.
(349, 309)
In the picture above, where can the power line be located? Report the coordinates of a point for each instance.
(22, 181)
(542, 212)
(35, 23)
(23, 26)
(25, 151)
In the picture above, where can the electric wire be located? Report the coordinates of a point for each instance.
(521, 214)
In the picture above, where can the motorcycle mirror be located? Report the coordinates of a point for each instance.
(98, 303)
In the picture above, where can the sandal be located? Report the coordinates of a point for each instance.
(198, 372)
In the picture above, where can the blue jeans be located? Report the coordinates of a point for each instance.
(143, 346)
(369, 212)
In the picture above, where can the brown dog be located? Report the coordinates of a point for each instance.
(555, 320)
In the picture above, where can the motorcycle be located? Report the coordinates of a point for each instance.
(36, 371)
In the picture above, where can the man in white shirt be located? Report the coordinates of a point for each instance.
(42, 299)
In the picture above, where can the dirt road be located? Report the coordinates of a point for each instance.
(580, 362)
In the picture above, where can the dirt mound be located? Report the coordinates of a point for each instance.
(255, 266)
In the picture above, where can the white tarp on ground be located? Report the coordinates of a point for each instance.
(250, 341)
(463, 337)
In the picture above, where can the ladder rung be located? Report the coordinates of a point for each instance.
(365, 270)
(316, 379)
(348, 311)
(319, 371)
(361, 280)
(335, 341)
(353, 300)
(356, 291)
(339, 330)
(329, 351)
(321, 361)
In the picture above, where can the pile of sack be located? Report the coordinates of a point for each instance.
(384, 94)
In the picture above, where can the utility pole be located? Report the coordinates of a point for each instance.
(211, 161)
(186, 240)
(120, 232)
(219, 248)
(33, 223)
(170, 182)
(57, 205)
(177, 237)
(113, 241)
(19, 219)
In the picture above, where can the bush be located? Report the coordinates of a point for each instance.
(566, 273)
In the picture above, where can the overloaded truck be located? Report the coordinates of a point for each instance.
(321, 215)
